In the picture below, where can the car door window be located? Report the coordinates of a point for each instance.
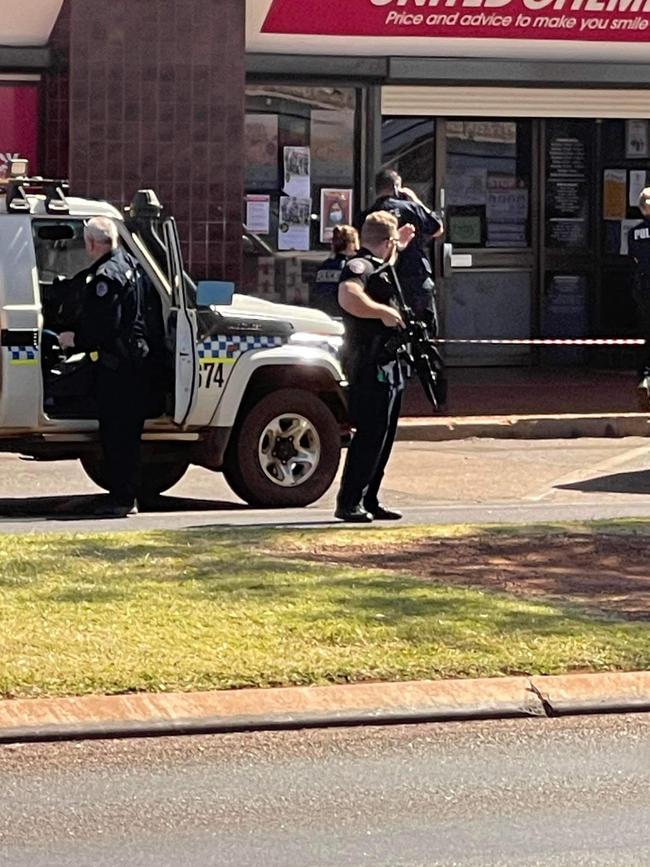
(59, 247)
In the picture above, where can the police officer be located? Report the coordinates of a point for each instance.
(639, 250)
(113, 331)
(324, 296)
(414, 266)
(371, 319)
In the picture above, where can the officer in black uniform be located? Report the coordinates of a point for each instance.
(373, 369)
(639, 249)
(324, 294)
(112, 330)
(414, 266)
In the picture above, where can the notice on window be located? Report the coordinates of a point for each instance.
(294, 223)
(567, 191)
(636, 139)
(467, 186)
(626, 225)
(614, 194)
(507, 211)
(637, 183)
(258, 214)
(335, 210)
(261, 151)
(297, 172)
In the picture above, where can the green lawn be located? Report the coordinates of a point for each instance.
(114, 613)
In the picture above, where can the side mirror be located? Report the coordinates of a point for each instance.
(214, 293)
(248, 247)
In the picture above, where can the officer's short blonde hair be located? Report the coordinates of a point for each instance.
(102, 230)
(644, 198)
(379, 226)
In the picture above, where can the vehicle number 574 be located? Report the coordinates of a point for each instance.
(211, 374)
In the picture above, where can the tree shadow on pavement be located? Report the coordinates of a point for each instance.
(617, 483)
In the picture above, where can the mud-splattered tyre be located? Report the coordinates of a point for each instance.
(285, 452)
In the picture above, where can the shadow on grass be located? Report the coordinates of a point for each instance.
(610, 572)
(397, 583)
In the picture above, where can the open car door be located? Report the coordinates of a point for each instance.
(185, 351)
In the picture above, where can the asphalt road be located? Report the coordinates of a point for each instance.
(449, 482)
(531, 792)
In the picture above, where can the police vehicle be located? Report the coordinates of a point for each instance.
(251, 388)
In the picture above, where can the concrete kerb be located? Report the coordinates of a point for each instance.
(154, 715)
(441, 428)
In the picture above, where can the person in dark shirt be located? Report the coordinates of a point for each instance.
(414, 265)
(367, 296)
(639, 249)
(112, 331)
(345, 243)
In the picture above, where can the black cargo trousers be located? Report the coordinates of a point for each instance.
(122, 394)
(374, 409)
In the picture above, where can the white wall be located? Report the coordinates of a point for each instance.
(27, 22)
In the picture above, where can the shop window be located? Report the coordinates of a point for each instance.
(625, 152)
(299, 183)
(408, 146)
(488, 183)
(18, 124)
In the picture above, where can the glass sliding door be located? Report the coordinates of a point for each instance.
(488, 186)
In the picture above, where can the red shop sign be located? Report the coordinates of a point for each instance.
(576, 20)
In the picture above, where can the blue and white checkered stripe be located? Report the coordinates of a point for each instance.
(224, 347)
(23, 354)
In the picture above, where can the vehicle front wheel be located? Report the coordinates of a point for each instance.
(285, 452)
(156, 476)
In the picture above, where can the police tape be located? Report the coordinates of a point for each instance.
(544, 341)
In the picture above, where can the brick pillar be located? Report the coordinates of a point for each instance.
(157, 100)
(55, 102)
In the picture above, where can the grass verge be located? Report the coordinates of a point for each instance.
(166, 611)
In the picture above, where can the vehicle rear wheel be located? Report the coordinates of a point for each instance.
(285, 451)
(156, 476)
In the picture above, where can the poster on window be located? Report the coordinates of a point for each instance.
(626, 226)
(294, 223)
(261, 151)
(297, 172)
(636, 139)
(637, 183)
(258, 214)
(335, 210)
(614, 194)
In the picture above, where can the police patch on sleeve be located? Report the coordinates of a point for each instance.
(102, 289)
(357, 266)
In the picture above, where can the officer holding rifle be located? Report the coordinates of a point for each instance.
(368, 296)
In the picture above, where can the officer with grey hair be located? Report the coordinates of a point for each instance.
(112, 330)
(639, 249)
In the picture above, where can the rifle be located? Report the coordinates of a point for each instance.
(413, 343)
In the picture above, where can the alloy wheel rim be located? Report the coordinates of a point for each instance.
(289, 450)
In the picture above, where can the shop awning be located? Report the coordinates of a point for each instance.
(514, 102)
(28, 22)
